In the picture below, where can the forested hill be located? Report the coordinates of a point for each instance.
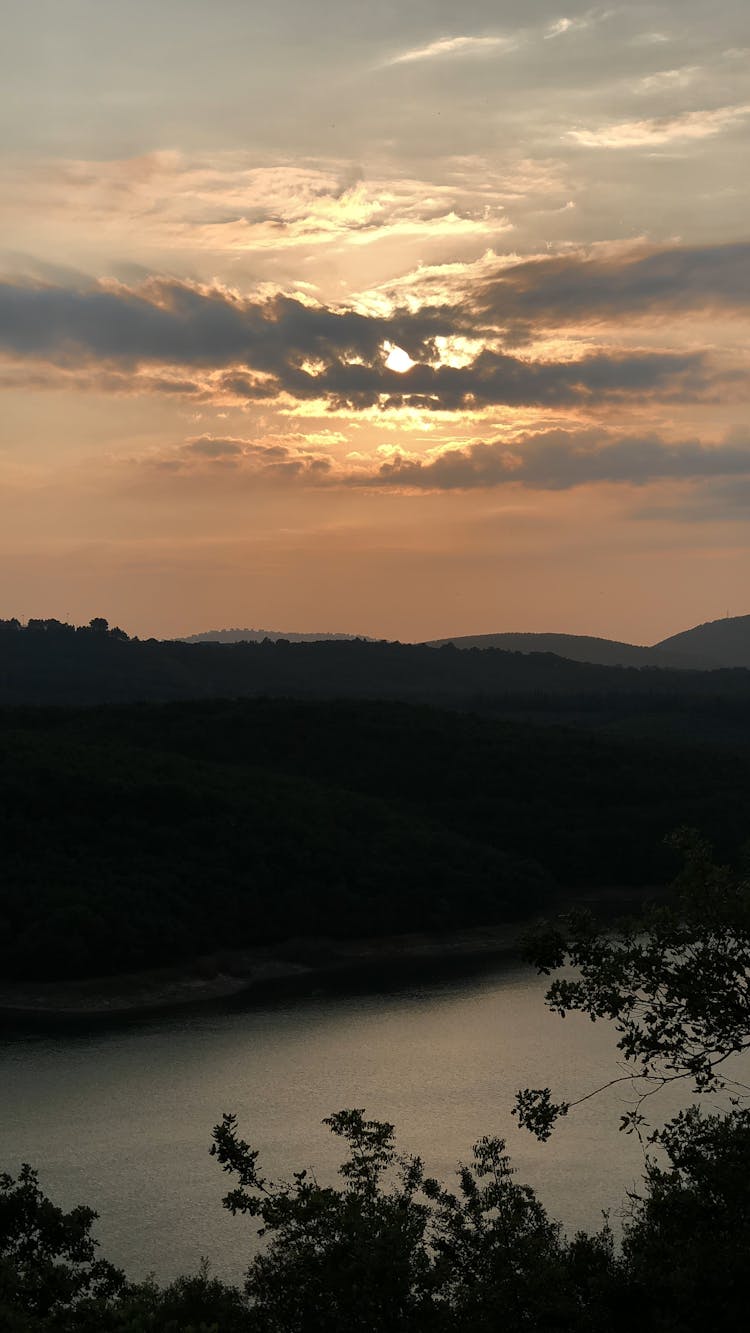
(726, 641)
(141, 835)
(50, 663)
(586, 648)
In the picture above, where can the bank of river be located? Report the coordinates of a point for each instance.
(295, 967)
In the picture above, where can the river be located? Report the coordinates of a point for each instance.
(121, 1118)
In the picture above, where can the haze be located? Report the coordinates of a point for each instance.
(402, 319)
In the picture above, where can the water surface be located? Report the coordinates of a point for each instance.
(122, 1119)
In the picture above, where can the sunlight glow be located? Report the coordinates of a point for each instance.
(397, 359)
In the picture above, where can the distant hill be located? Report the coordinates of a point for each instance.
(573, 647)
(726, 642)
(719, 643)
(258, 635)
(47, 662)
(601, 652)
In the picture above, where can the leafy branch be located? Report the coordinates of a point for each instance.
(676, 985)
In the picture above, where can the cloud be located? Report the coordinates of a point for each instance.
(557, 29)
(209, 446)
(667, 79)
(652, 133)
(558, 460)
(453, 46)
(706, 501)
(232, 205)
(548, 460)
(564, 25)
(176, 323)
(495, 378)
(472, 46)
(599, 285)
(270, 459)
(260, 349)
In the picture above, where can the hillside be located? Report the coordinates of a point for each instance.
(726, 641)
(144, 835)
(719, 643)
(586, 648)
(47, 662)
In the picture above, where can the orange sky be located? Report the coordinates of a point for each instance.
(218, 222)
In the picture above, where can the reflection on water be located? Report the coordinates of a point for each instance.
(122, 1119)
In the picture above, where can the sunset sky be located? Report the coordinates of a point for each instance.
(403, 319)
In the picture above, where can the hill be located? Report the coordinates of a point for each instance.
(144, 835)
(46, 662)
(719, 643)
(258, 635)
(586, 648)
(726, 641)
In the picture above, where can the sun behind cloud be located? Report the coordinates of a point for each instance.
(397, 359)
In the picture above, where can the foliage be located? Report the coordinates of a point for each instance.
(676, 984)
(686, 1247)
(387, 1255)
(350, 1259)
(390, 1250)
(194, 1304)
(48, 1263)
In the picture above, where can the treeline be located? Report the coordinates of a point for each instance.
(141, 835)
(389, 1250)
(47, 662)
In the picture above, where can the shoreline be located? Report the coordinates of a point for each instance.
(291, 968)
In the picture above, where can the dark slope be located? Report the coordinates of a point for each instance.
(143, 835)
(582, 648)
(122, 850)
(726, 642)
(48, 663)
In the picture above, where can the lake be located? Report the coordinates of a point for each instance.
(121, 1118)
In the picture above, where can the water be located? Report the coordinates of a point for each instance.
(121, 1119)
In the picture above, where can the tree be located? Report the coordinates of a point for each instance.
(686, 1247)
(339, 1259)
(676, 984)
(405, 1254)
(49, 1269)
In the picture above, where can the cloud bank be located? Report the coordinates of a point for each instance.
(283, 345)
(551, 460)
(560, 460)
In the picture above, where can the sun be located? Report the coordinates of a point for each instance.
(397, 358)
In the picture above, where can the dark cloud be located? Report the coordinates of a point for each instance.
(171, 322)
(285, 346)
(552, 460)
(210, 446)
(558, 460)
(708, 501)
(253, 457)
(495, 378)
(568, 289)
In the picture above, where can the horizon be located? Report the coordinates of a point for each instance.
(430, 323)
(354, 634)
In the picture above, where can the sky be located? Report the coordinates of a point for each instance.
(409, 320)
